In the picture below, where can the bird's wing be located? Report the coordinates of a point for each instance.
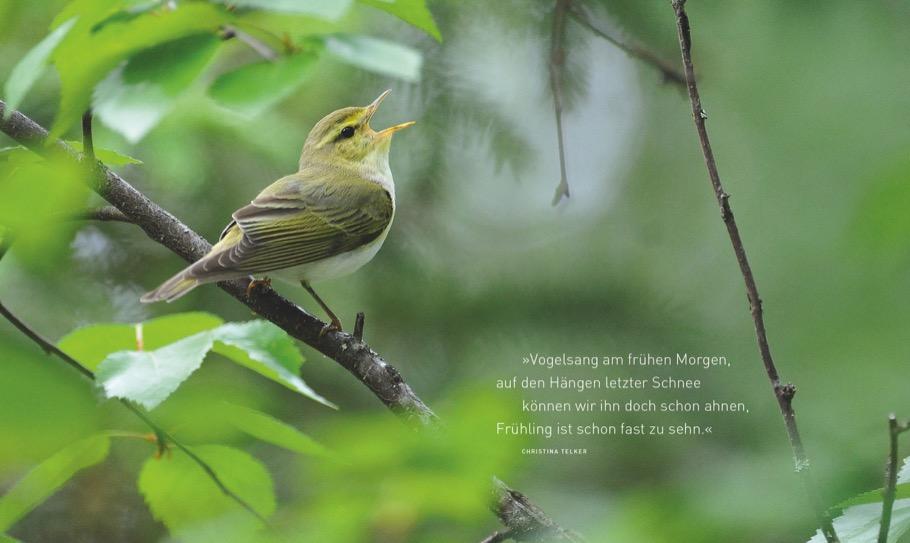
(300, 219)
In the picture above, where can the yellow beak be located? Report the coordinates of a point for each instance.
(371, 110)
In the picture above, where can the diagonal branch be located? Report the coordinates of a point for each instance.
(383, 380)
(669, 72)
(783, 392)
(894, 429)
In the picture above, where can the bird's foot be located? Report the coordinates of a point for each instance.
(257, 283)
(334, 326)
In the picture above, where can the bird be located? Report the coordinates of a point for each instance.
(325, 221)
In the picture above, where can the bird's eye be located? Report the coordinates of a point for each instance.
(347, 131)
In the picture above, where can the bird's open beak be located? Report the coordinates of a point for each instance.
(371, 110)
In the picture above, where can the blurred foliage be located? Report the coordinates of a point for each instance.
(805, 108)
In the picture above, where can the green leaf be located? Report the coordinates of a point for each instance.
(875, 496)
(37, 194)
(116, 41)
(271, 430)
(861, 517)
(376, 55)
(45, 478)
(135, 97)
(266, 349)
(31, 66)
(331, 10)
(253, 88)
(414, 12)
(180, 494)
(92, 344)
(174, 347)
(108, 156)
(8, 539)
(149, 377)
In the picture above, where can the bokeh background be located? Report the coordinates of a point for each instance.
(808, 111)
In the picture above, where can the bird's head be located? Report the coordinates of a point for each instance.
(345, 136)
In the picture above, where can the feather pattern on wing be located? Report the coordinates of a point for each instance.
(302, 218)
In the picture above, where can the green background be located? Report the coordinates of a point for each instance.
(807, 107)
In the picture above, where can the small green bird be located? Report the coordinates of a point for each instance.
(325, 221)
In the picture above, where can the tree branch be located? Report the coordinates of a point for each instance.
(783, 392)
(525, 520)
(383, 380)
(894, 429)
(557, 61)
(669, 72)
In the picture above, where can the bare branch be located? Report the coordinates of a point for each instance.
(783, 392)
(383, 380)
(894, 429)
(556, 64)
(667, 69)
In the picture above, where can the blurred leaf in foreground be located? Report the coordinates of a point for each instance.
(253, 88)
(182, 496)
(376, 55)
(36, 196)
(134, 97)
(115, 42)
(269, 429)
(45, 478)
(31, 66)
(414, 12)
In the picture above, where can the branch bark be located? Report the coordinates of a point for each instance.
(894, 429)
(381, 378)
(783, 392)
(669, 72)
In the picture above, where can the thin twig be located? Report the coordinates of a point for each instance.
(88, 144)
(162, 435)
(498, 536)
(894, 429)
(783, 392)
(669, 72)
(556, 64)
(380, 377)
(358, 326)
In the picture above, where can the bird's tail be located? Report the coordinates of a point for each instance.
(172, 289)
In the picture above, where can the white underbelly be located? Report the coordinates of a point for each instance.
(332, 267)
